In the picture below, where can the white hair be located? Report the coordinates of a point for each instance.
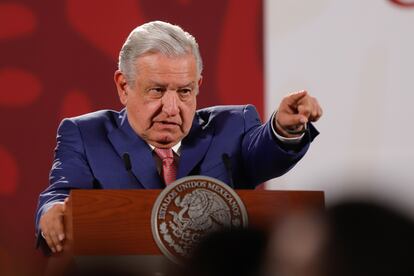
(156, 37)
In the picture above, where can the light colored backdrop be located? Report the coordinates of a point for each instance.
(357, 58)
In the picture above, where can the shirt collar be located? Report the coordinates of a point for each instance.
(175, 148)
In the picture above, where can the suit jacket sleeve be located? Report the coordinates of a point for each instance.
(70, 169)
(264, 155)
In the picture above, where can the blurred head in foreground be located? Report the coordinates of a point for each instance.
(238, 252)
(358, 238)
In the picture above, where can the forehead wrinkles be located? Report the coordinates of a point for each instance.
(168, 81)
(164, 64)
(171, 68)
(162, 75)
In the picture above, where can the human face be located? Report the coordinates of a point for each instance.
(162, 101)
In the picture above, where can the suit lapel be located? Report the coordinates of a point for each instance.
(125, 140)
(194, 146)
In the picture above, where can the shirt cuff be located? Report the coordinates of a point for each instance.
(292, 141)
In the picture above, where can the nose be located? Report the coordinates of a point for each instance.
(170, 103)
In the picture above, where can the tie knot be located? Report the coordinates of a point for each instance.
(164, 153)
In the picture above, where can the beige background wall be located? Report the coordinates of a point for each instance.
(357, 58)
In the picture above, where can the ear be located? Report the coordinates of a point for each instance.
(121, 86)
(200, 81)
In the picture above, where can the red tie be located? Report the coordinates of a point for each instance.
(169, 170)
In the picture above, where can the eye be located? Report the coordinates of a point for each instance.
(158, 89)
(185, 91)
(156, 92)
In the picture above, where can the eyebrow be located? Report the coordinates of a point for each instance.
(152, 82)
(188, 84)
(156, 83)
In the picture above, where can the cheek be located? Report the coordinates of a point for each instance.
(188, 114)
(142, 112)
(144, 107)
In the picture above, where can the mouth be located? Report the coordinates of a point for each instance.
(167, 123)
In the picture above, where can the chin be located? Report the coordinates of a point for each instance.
(167, 141)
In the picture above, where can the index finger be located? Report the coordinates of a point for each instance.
(295, 97)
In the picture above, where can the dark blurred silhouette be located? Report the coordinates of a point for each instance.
(353, 237)
(229, 252)
(368, 238)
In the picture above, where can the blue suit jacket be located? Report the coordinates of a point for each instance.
(90, 148)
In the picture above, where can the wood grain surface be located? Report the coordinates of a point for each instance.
(118, 222)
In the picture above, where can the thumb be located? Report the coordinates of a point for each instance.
(64, 205)
(286, 120)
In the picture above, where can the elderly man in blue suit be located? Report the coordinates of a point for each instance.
(160, 135)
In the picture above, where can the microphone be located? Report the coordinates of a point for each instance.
(227, 163)
(127, 162)
(128, 166)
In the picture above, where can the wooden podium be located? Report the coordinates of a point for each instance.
(118, 222)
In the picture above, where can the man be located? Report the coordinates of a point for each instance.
(158, 81)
